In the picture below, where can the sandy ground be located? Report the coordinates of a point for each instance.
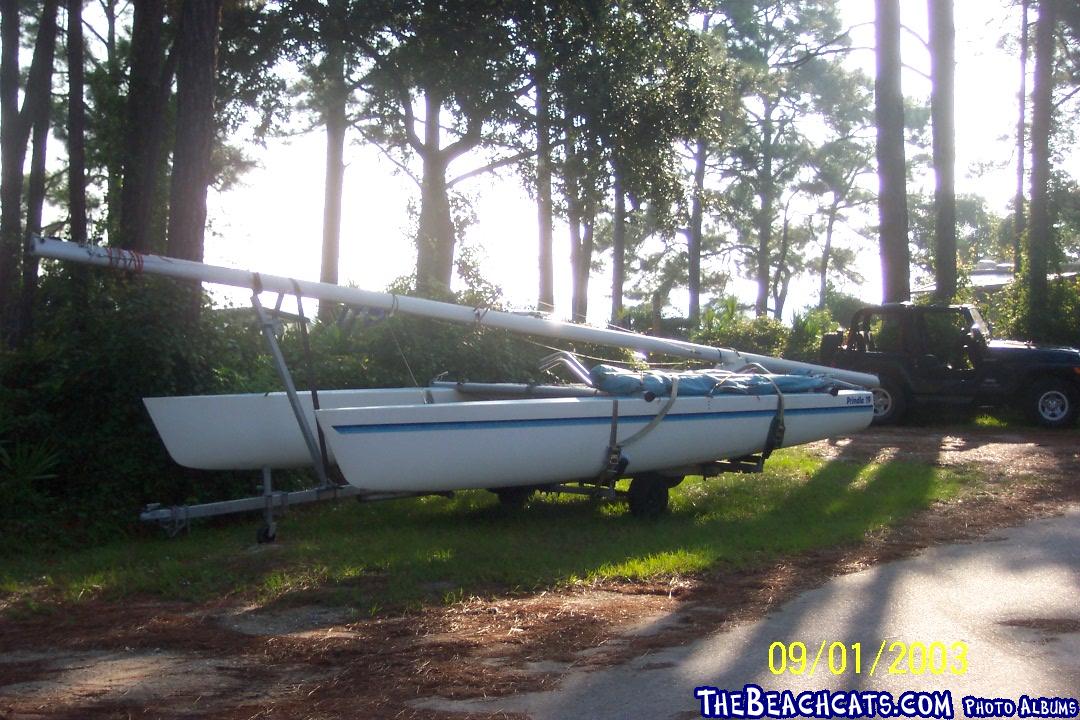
(175, 660)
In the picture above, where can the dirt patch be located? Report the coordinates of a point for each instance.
(300, 621)
(176, 660)
(1011, 453)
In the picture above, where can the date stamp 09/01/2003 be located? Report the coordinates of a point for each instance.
(895, 658)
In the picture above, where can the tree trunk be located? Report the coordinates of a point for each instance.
(143, 128)
(12, 155)
(693, 249)
(544, 211)
(336, 125)
(697, 204)
(435, 240)
(114, 163)
(779, 287)
(618, 251)
(15, 127)
(765, 216)
(892, 170)
(579, 219)
(826, 252)
(76, 124)
(581, 282)
(35, 200)
(942, 101)
(1021, 149)
(197, 41)
(1039, 233)
(573, 219)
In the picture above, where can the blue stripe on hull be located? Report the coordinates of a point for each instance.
(601, 420)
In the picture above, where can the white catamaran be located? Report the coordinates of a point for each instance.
(511, 438)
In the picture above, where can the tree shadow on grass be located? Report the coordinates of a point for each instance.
(749, 526)
(439, 550)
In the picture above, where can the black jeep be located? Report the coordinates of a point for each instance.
(944, 354)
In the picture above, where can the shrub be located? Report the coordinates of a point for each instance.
(807, 329)
(104, 342)
(726, 326)
(1007, 312)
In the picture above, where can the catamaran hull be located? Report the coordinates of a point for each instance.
(442, 443)
(256, 430)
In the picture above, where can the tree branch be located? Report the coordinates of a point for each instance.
(917, 36)
(466, 142)
(494, 165)
(1068, 96)
(916, 70)
(410, 121)
(94, 32)
(524, 89)
(389, 155)
(825, 48)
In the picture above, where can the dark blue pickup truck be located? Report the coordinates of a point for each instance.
(943, 354)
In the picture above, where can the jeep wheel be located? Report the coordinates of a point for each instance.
(889, 403)
(1052, 403)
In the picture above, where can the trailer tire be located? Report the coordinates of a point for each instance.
(648, 496)
(514, 498)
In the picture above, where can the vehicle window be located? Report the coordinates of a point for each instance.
(946, 337)
(884, 333)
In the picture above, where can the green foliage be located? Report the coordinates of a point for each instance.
(23, 467)
(72, 402)
(725, 326)
(978, 232)
(1006, 311)
(645, 319)
(402, 351)
(804, 338)
(842, 306)
(769, 157)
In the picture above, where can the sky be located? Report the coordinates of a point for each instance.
(272, 221)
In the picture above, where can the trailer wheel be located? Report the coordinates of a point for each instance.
(648, 496)
(674, 480)
(513, 498)
(266, 534)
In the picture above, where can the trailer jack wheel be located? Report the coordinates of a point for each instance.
(648, 496)
(266, 534)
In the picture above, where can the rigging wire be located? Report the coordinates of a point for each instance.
(404, 359)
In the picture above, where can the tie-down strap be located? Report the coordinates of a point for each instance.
(616, 463)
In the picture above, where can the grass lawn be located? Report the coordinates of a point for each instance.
(383, 556)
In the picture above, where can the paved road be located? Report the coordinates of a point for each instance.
(1012, 597)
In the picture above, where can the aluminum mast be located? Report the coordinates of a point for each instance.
(191, 270)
